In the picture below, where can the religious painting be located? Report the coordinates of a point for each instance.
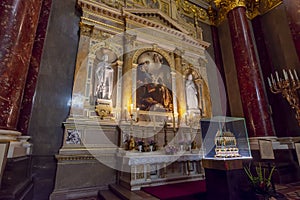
(154, 81)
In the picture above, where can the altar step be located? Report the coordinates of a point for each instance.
(107, 195)
(118, 192)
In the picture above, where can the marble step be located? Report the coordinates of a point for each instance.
(126, 194)
(107, 195)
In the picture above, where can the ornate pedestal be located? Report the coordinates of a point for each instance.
(157, 168)
(226, 179)
(86, 161)
(15, 163)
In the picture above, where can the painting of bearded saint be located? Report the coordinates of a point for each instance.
(154, 83)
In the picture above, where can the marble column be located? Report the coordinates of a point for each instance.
(127, 82)
(34, 67)
(179, 82)
(19, 20)
(293, 16)
(254, 101)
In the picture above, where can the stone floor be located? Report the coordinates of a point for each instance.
(291, 190)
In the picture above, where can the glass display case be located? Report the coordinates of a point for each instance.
(225, 138)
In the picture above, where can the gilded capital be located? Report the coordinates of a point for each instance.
(236, 3)
(227, 5)
(219, 8)
(86, 29)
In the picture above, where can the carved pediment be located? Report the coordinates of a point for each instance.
(157, 16)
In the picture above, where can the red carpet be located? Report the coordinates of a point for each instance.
(177, 191)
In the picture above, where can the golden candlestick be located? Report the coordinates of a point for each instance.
(288, 88)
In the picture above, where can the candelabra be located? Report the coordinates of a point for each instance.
(288, 88)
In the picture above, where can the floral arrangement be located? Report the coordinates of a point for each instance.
(189, 142)
(181, 142)
(152, 143)
(140, 142)
(260, 180)
(171, 149)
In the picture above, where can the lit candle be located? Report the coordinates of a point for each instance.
(269, 82)
(291, 74)
(285, 75)
(296, 76)
(125, 113)
(137, 112)
(277, 77)
(174, 128)
(131, 108)
(273, 81)
(154, 124)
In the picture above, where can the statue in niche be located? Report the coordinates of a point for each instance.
(191, 93)
(104, 79)
(153, 83)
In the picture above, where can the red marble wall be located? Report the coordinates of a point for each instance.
(293, 14)
(18, 27)
(34, 67)
(254, 100)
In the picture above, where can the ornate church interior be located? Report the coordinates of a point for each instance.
(149, 99)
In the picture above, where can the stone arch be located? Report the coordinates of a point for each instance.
(165, 54)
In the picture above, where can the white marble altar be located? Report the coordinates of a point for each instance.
(157, 168)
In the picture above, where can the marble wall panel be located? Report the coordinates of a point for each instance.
(231, 81)
(51, 103)
(293, 15)
(282, 52)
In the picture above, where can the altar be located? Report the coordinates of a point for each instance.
(157, 168)
(140, 91)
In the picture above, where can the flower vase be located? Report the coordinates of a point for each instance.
(181, 148)
(151, 148)
(140, 148)
(190, 147)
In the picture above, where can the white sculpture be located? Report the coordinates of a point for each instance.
(191, 93)
(104, 75)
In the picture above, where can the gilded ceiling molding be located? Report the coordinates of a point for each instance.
(267, 5)
(189, 9)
